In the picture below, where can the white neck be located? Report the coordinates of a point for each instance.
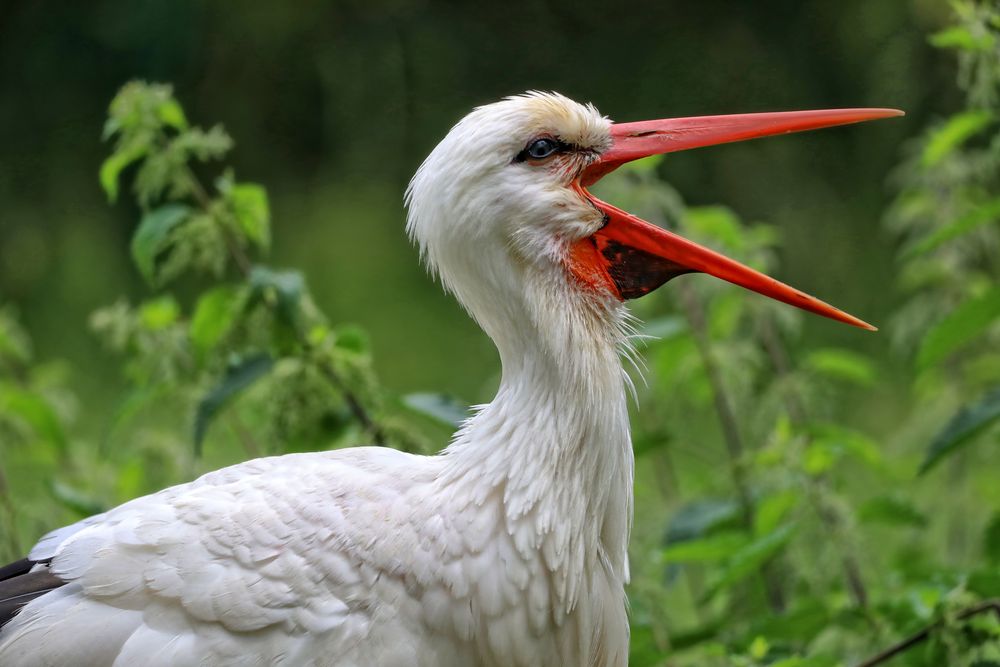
(554, 444)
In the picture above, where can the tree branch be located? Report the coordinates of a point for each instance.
(925, 633)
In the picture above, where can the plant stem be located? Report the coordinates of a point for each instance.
(925, 633)
(695, 314)
(776, 351)
(353, 403)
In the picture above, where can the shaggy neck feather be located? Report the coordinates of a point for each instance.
(554, 444)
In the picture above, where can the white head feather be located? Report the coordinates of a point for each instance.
(497, 230)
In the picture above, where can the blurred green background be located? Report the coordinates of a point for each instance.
(334, 104)
(795, 527)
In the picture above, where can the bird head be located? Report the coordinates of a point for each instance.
(500, 207)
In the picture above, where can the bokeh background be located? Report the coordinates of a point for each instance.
(334, 104)
(815, 542)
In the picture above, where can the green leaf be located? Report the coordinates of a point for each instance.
(959, 37)
(843, 365)
(961, 326)
(237, 378)
(701, 517)
(249, 204)
(171, 114)
(352, 338)
(153, 237)
(750, 558)
(956, 131)
(711, 549)
(773, 509)
(214, 316)
(991, 539)
(977, 217)
(35, 412)
(75, 500)
(440, 407)
(160, 313)
(113, 166)
(281, 290)
(891, 511)
(840, 440)
(963, 427)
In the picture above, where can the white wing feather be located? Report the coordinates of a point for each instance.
(274, 561)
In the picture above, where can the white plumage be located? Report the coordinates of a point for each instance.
(508, 549)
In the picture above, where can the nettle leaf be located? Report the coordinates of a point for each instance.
(991, 539)
(215, 314)
(711, 549)
(773, 509)
(159, 314)
(203, 145)
(113, 166)
(750, 558)
(249, 205)
(237, 378)
(840, 441)
(171, 113)
(962, 429)
(702, 517)
(981, 215)
(152, 238)
(75, 500)
(439, 407)
(956, 131)
(961, 326)
(891, 511)
(961, 38)
(843, 365)
(281, 290)
(352, 338)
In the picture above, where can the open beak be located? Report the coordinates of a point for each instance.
(633, 257)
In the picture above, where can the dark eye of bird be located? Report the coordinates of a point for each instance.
(539, 149)
(542, 148)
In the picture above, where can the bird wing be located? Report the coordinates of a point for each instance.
(273, 560)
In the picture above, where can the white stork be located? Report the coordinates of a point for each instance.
(509, 548)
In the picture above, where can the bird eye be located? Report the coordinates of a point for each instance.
(539, 149)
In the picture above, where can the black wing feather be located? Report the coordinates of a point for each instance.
(19, 586)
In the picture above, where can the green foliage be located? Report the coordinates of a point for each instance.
(962, 428)
(808, 539)
(780, 517)
(221, 338)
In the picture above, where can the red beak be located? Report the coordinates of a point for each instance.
(633, 257)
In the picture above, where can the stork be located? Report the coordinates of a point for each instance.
(509, 548)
